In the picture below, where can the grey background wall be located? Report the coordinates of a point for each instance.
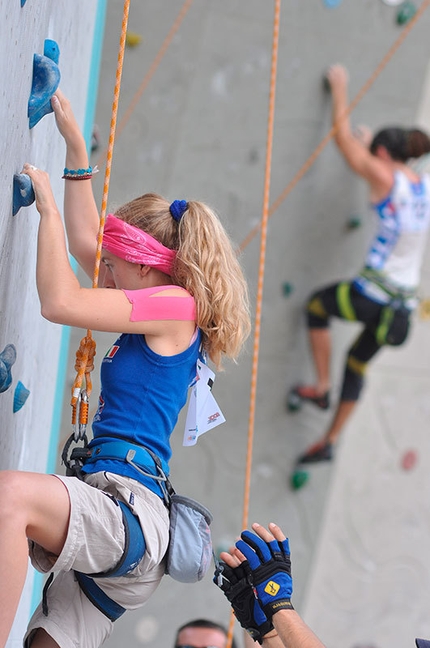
(359, 529)
(25, 435)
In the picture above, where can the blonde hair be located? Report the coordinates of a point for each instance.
(206, 266)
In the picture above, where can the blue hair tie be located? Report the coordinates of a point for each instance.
(177, 209)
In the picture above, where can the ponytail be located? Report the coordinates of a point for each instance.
(207, 266)
(418, 143)
(402, 144)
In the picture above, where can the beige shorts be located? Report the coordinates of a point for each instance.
(95, 543)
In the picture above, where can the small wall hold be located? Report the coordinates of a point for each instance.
(95, 139)
(132, 39)
(393, 3)
(20, 396)
(287, 289)
(7, 359)
(353, 222)
(51, 50)
(23, 2)
(299, 479)
(294, 402)
(406, 12)
(331, 4)
(424, 309)
(409, 459)
(46, 78)
(326, 84)
(23, 192)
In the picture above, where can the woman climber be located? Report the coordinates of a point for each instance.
(383, 295)
(173, 287)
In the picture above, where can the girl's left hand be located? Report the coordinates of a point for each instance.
(42, 187)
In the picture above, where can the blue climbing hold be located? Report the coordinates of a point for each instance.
(20, 396)
(23, 2)
(7, 359)
(46, 78)
(332, 3)
(51, 50)
(23, 192)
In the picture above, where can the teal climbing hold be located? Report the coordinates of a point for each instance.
(354, 222)
(7, 359)
(332, 3)
(299, 479)
(51, 50)
(23, 2)
(406, 12)
(46, 78)
(287, 289)
(20, 396)
(23, 193)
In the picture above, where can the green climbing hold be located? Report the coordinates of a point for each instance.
(299, 479)
(287, 289)
(406, 12)
(294, 402)
(354, 222)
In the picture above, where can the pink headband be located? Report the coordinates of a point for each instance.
(133, 244)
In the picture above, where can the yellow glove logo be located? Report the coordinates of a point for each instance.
(272, 588)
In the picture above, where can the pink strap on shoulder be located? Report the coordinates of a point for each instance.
(149, 304)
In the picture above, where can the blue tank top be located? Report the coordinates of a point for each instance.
(141, 397)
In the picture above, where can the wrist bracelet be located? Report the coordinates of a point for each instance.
(79, 174)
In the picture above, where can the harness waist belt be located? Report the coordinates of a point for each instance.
(122, 450)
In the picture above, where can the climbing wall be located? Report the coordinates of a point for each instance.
(32, 348)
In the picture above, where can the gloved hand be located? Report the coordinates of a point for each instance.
(270, 567)
(235, 582)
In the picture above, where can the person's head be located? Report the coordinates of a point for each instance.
(202, 633)
(401, 144)
(201, 259)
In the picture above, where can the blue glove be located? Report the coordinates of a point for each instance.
(235, 582)
(270, 567)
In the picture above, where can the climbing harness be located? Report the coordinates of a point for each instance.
(189, 552)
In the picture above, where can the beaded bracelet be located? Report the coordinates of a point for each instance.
(79, 174)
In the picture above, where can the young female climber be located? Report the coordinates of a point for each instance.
(172, 284)
(383, 295)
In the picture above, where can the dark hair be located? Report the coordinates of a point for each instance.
(204, 623)
(401, 143)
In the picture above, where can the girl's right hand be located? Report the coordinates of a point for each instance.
(65, 119)
(45, 200)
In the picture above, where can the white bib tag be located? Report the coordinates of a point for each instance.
(203, 411)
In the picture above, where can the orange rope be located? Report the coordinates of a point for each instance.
(263, 225)
(319, 149)
(86, 351)
(264, 219)
(148, 76)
